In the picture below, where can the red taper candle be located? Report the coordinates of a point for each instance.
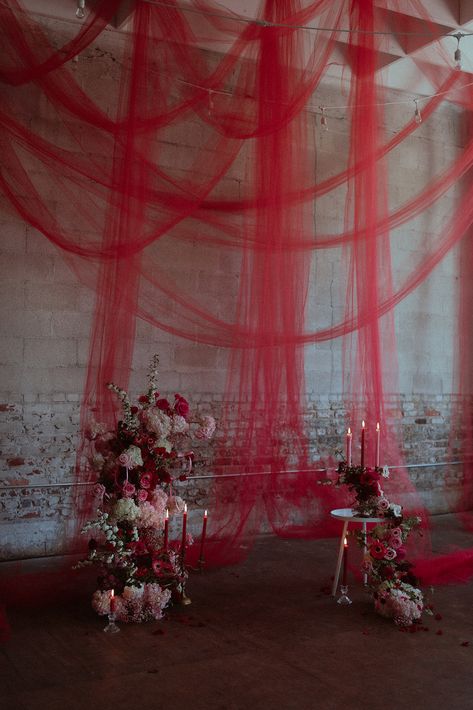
(184, 533)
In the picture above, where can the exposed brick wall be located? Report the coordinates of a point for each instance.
(39, 449)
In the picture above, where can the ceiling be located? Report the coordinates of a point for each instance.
(400, 52)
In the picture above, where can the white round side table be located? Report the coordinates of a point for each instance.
(348, 515)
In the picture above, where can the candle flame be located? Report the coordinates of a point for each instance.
(363, 424)
(377, 426)
(167, 513)
(185, 507)
(205, 513)
(112, 593)
(345, 542)
(349, 431)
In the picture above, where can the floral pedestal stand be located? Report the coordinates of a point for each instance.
(348, 515)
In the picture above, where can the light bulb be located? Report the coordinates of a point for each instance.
(457, 55)
(80, 12)
(323, 119)
(417, 113)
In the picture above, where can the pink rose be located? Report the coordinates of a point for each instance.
(142, 494)
(401, 553)
(99, 490)
(395, 542)
(396, 532)
(128, 489)
(146, 480)
(390, 554)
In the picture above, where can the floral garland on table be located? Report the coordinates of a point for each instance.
(390, 577)
(136, 466)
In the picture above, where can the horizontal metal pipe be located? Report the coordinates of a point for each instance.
(74, 484)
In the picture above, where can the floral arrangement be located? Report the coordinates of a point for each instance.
(136, 465)
(365, 483)
(390, 577)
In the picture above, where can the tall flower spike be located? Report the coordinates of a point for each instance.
(323, 119)
(417, 113)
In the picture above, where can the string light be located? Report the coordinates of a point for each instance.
(80, 12)
(267, 23)
(458, 53)
(417, 113)
(323, 119)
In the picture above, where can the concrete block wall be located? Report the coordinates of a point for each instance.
(45, 317)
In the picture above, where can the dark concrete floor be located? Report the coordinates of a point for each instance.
(261, 635)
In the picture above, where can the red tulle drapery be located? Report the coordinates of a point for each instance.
(116, 204)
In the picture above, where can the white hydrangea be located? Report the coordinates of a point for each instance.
(159, 500)
(149, 516)
(207, 427)
(101, 602)
(125, 509)
(179, 424)
(158, 422)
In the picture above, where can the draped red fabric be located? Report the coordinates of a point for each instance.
(118, 204)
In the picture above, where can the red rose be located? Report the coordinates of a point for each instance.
(181, 406)
(143, 399)
(163, 404)
(164, 476)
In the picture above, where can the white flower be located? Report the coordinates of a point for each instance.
(125, 509)
(396, 510)
(385, 472)
(159, 500)
(206, 428)
(101, 602)
(97, 462)
(158, 422)
(179, 424)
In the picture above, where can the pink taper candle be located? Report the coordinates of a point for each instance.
(349, 440)
(362, 462)
(377, 444)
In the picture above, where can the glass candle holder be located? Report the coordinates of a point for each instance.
(344, 599)
(111, 627)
